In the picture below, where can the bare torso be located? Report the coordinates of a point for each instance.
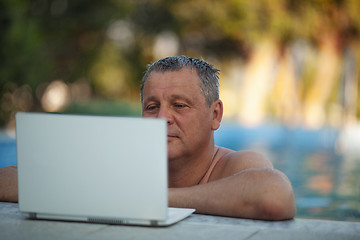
(218, 156)
(227, 162)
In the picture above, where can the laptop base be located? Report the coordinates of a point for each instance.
(174, 215)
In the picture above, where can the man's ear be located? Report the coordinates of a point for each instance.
(217, 113)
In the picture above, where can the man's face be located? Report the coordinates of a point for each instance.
(177, 98)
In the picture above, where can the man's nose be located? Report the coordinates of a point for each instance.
(165, 113)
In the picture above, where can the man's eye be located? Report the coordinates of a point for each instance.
(151, 107)
(179, 105)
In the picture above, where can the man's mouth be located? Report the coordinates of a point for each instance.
(171, 137)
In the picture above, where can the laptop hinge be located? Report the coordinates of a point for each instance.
(154, 223)
(32, 215)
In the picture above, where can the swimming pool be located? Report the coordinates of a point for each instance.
(325, 175)
(326, 181)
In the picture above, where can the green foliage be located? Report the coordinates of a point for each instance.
(105, 108)
(45, 40)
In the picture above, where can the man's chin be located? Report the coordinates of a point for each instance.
(176, 149)
(174, 154)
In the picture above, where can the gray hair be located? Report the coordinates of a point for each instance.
(208, 75)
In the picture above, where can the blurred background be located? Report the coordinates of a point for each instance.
(289, 78)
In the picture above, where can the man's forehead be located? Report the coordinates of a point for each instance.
(182, 77)
(179, 84)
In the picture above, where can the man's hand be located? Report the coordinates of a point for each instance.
(8, 184)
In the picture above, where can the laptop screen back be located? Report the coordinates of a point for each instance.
(93, 166)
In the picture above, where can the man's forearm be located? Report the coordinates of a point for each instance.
(8, 184)
(254, 193)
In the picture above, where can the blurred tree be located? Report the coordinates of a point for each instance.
(109, 43)
(46, 40)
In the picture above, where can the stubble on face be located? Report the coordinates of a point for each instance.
(176, 97)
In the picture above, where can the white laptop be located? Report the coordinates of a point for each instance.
(94, 169)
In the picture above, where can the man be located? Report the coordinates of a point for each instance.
(213, 180)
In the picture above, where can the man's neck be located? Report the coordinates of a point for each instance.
(188, 171)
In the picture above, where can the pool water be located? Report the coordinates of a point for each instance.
(326, 182)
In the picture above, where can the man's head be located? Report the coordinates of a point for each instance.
(208, 75)
(184, 92)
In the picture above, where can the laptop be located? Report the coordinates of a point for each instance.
(98, 169)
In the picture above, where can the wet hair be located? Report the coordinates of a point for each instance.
(208, 75)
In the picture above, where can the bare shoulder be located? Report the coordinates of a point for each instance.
(231, 162)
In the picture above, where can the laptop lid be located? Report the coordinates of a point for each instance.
(92, 167)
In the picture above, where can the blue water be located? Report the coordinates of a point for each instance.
(320, 176)
(326, 183)
(7, 151)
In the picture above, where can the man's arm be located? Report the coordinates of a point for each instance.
(8, 184)
(258, 192)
